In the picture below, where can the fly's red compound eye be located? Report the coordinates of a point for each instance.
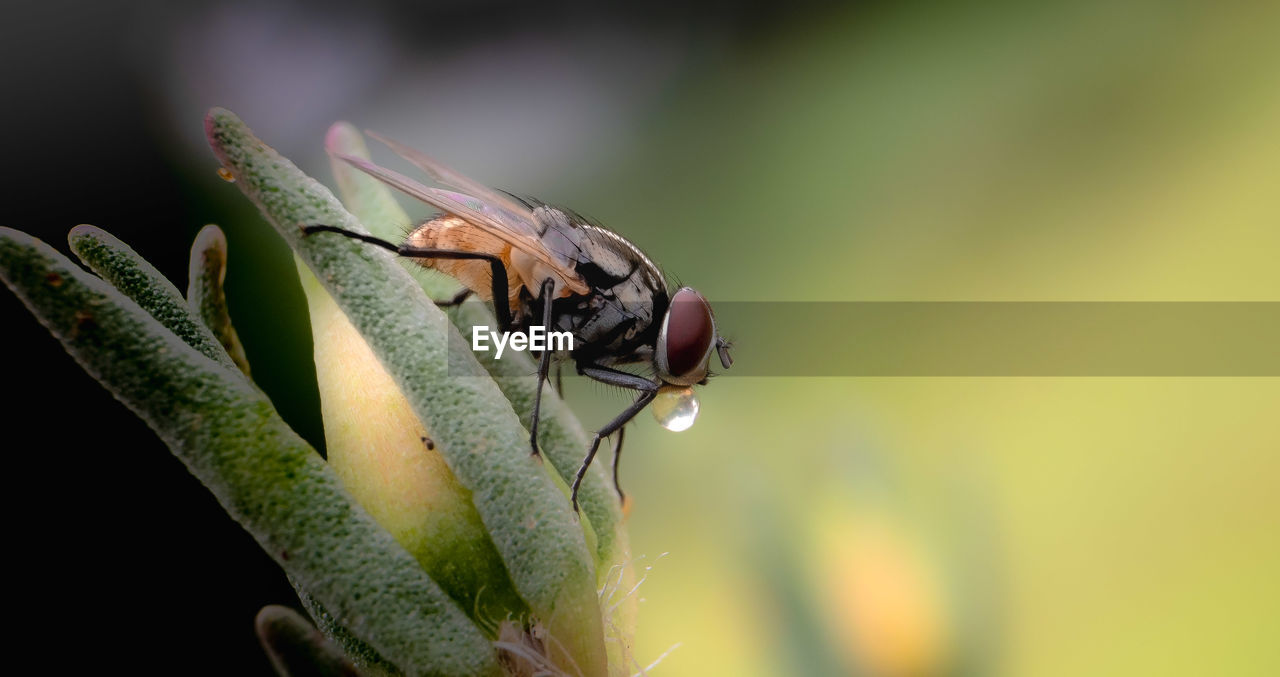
(689, 333)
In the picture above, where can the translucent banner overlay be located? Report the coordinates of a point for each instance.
(1000, 339)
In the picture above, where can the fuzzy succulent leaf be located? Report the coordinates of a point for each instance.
(477, 432)
(388, 460)
(262, 473)
(370, 662)
(117, 263)
(205, 295)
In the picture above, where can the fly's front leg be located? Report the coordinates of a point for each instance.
(648, 390)
(544, 365)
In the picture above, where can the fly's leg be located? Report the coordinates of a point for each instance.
(648, 390)
(617, 458)
(559, 380)
(390, 246)
(621, 420)
(722, 347)
(544, 365)
(501, 306)
(456, 300)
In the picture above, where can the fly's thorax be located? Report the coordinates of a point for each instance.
(630, 300)
(602, 257)
(617, 317)
(608, 329)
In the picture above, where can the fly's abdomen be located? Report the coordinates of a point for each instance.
(454, 234)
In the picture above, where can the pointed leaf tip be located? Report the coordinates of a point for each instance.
(117, 263)
(296, 648)
(342, 136)
(206, 299)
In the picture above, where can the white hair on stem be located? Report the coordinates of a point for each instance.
(527, 653)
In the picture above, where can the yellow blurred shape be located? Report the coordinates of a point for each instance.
(886, 600)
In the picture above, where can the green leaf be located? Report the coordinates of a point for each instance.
(386, 458)
(205, 296)
(473, 425)
(370, 662)
(261, 472)
(118, 264)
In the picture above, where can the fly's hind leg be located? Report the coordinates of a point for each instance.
(501, 306)
(456, 300)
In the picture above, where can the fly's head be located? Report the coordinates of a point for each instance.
(682, 357)
(687, 339)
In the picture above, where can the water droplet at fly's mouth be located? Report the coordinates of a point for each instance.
(675, 407)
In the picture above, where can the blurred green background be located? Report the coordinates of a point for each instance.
(1060, 526)
(1089, 151)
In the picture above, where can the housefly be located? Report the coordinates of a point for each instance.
(540, 263)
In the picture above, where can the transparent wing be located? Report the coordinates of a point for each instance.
(516, 230)
(451, 177)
